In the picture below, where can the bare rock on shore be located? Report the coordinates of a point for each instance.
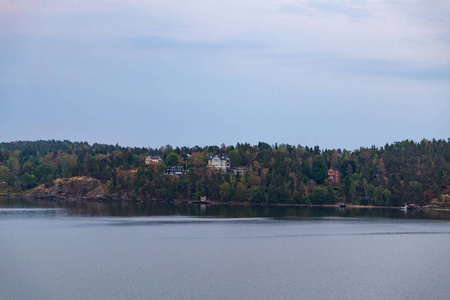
(445, 200)
(71, 189)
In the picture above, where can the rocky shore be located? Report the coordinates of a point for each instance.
(75, 188)
(91, 189)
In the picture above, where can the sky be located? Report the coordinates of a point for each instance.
(337, 74)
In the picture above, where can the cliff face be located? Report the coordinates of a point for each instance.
(72, 189)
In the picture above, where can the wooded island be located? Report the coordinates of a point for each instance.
(398, 173)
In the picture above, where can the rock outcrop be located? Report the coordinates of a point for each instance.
(74, 188)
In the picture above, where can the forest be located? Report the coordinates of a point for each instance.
(398, 173)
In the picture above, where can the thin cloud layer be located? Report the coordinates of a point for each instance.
(389, 30)
(262, 60)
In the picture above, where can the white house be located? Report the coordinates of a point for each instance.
(219, 161)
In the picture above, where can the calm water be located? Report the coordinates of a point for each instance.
(57, 250)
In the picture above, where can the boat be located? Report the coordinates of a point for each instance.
(433, 206)
(411, 206)
(203, 200)
(408, 207)
(342, 205)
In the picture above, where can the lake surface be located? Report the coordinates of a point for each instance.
(83, 250)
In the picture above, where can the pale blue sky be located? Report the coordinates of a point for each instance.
(338, 74)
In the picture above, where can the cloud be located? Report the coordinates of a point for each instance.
(371, 67)
(156, 42)
(390, 68)
(348, 9)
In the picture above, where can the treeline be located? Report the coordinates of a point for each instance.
(401, 172)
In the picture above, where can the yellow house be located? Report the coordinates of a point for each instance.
(153, 159)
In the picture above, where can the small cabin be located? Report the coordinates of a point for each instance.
(333, 176)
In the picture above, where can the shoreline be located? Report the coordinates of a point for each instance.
(212, 202)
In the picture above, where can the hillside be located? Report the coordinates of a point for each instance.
(401, 172)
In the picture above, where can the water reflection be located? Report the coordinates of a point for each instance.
(164, 251)
(128, 209)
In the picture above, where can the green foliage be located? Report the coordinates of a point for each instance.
(235, 158)
(44, 173)
(172, 159)
(257, 194)
(392, 175)
(28, 181)
(319, 196)
(6, 176)
(226, 192)
(264, 146)
(414, 193)
(319, 169)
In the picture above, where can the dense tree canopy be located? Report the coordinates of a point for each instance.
(401, 172)
(172, 159)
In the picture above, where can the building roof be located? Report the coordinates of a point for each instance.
(176, 168)
(220, 156)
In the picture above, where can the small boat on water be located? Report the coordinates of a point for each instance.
(342, 205)
(412, 206)
(203, 200)
(433, 206)
(408, 207)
